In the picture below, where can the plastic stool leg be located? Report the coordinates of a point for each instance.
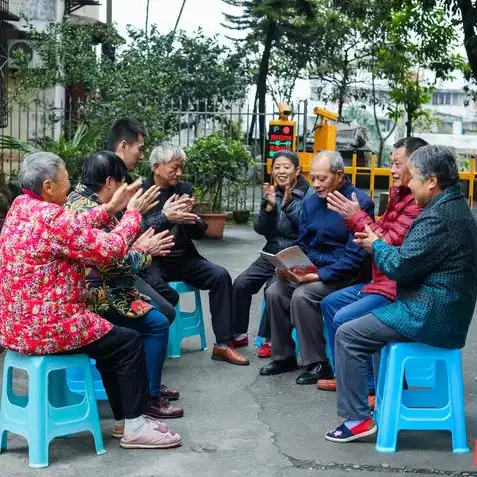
(200, 315)
(38, 442)
(390, 405)
(174, 345)
(93, 410)
(3, 440)
(456, 394)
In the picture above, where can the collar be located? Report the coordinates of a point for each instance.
(85, 191)
(32, 195)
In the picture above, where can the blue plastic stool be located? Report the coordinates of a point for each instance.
(259, 340)
(77, 385)
(186, 323)
(440, 406)
(49, 409)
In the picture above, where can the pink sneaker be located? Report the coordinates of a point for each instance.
(155, 435)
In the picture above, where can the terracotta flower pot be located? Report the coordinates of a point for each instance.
(216, 225)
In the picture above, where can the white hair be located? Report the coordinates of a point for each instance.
(38, 167)
(336, 160)
(166, 152)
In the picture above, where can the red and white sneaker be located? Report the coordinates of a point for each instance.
(343, 434)
(265, 351)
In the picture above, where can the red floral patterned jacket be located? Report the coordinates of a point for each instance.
(43, 249)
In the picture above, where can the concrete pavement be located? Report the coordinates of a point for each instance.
(239, 424)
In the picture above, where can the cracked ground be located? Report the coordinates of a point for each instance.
(239, 424)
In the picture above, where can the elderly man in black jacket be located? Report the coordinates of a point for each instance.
(174, 213)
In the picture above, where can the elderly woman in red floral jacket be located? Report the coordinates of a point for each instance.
(43, 249)
(357, 300)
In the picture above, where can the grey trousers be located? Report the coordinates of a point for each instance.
(297, 306)
(355, 341)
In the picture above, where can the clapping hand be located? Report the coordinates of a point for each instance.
(342, 205)
(158, 245)
(122, 196)
(367, 238)
(178, 209)
(270, 196)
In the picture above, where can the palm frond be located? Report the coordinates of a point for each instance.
(14, 144)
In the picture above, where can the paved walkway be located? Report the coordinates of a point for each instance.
(240, 424)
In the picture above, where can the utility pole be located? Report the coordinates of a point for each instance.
(109, 12)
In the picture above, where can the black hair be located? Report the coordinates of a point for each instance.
(125, 129)
(411, 144)
(101, 165)
(289, 155)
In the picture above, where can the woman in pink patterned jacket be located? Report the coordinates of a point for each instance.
(43, 251)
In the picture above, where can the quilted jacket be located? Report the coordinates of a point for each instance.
(393, 226)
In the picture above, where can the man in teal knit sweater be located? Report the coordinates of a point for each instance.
(436, 273)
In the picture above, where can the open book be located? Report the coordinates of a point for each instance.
(293, 259)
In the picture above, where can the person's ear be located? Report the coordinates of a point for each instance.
(48, 187)
(298, 171)
(432, 183)
(340, 175)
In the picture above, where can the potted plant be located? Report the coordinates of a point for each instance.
(240, 214)
(216, 163)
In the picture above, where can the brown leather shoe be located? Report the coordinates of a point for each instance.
(230, 355)
(326, 384)
(170, 394)
(161, 408)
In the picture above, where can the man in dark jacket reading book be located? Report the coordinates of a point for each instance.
(293, 301)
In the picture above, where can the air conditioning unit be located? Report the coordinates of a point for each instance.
(26, 47)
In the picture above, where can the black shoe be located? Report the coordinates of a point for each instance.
(279, 367)
(314, 372)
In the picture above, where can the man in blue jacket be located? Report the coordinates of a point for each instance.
(294, 301)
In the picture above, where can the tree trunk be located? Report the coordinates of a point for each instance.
(262, 81)
(343, 87)
(409, 122)
(380, 153)
(470, 39)
(253, 121)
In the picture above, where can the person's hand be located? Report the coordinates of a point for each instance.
(366, 239)
(283, 274)
(308, 278)
(178, 210)
(270, 196)
(143, 239)
(160, 244)
(287, 196)
(185, 203)
(142, 202)
(345, 207)
(122, 196)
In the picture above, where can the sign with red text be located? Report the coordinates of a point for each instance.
(281, 135)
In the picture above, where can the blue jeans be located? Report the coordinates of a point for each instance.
(154, 329)
(346, 305)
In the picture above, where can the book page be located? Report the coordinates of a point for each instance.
(296, 261)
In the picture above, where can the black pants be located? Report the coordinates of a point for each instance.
(204, 275)
(159, 284)
(166, 307)
(248, 283)
(120, 359)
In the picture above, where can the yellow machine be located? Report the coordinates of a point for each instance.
(282, 134)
